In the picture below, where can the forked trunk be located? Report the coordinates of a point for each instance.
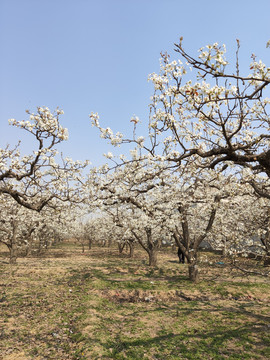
(120, 248)
(150, 247)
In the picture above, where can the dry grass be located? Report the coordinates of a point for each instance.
(98, 305)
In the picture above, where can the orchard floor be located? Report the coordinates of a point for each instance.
(99, 305)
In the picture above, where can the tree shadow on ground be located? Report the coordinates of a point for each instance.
(216, 341)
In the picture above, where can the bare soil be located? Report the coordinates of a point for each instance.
(102, 305)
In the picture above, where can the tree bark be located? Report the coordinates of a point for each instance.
(13, 254)
(131, 249)
(89, 243)
(120, 248)
(149, 247)
(152, 254)
(193, 272)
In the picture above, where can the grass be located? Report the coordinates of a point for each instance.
(102, 306)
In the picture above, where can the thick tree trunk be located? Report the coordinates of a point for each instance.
(193, 272)
(152, 253)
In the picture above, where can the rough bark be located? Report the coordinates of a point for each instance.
(193, 272)
(152, 254)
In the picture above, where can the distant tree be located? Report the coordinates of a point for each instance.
(242, 226)
(24, 231)
(16, 227)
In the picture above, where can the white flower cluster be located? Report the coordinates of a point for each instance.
(115, 139)
(43, 121)
(216, 53)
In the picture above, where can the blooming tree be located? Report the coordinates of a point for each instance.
(24, 231)
(212, 127)
(16, 226)
(215, 112)
(155, 201)
(34, 180)
(246, 229)
(221, 115)
(125, 194)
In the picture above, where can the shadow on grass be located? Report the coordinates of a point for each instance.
(123, 280)
(196, 344)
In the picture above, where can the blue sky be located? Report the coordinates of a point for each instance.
(95, 55)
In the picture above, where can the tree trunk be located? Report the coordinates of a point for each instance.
(89, 243)
(131, 250)
(13, 254)
(224, 249)
(39, 246)
(193, 272)
(13, 249)
(120, 248)
(28, 250)
(150, 248)
(152, 253)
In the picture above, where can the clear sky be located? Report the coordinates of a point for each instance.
(95, 55)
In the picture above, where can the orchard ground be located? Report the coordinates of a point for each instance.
(102, 305)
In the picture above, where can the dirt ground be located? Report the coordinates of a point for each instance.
(102, 305)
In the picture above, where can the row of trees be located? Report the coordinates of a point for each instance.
(200, 174)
